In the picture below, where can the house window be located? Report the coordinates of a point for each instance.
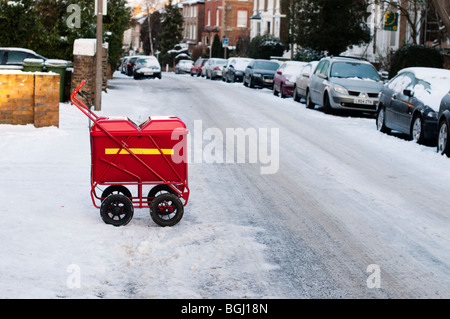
(217, 17)
(209, 17)
(242, 18)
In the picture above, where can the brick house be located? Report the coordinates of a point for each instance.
(194, 15)
(227, 18)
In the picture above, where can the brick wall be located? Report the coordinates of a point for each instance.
(84, 69)
(29, 98)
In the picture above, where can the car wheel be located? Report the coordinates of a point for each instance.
(282, 94)
(309, 103)
(275, 92)
(417, 130)
(443, 138)
(251, 84)
(381, 123)
(326, 104)
(295, 95)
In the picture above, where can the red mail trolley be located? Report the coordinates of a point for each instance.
(125, 155)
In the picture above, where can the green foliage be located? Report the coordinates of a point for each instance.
(263, 47)
(42, 26)
(413, 55)
(216, 47)
(172, 31)
(330, 26)
(308, 55)
(242, 46)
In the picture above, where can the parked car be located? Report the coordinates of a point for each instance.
(235, 69)
(123, 64)
(285, 77)
(344, 83)
(183, 66)
(409, 102)
(130, 65)
(197, 67)
(443, 144)
(260, 72)
(213, 68)
(147, 67)
(12, 58)
(302, 82)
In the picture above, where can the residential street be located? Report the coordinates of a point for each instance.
(331, 209)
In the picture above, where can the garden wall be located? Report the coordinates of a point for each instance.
(29, 98)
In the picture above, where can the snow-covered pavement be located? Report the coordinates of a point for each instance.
(344, 211)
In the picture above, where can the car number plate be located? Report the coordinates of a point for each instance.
(363, 101)
(268, 80)
(148, 73)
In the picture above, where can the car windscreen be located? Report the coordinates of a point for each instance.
(350, 70)
(147, 62)
(266, 65)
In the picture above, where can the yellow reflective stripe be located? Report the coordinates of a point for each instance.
(139, 151)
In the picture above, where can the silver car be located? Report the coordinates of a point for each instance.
(302, 82)
(343, 83)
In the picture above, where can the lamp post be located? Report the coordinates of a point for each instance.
(99, 57)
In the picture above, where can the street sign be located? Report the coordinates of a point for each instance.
(225, 42)
(390, 21)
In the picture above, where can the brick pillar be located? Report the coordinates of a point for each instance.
(46, 100)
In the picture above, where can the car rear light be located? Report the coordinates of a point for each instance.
(217, 68)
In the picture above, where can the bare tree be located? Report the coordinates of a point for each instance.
(412, 11)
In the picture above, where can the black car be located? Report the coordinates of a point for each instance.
(235, 69)
(443, 145)
(260, 73)
(13, 57)
(409, 103)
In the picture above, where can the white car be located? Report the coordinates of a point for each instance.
(147, 67)
(183, 66)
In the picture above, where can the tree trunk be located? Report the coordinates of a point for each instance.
(443, 10)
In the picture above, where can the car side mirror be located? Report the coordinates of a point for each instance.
(278, 72)
(306, 75)
(408, 93)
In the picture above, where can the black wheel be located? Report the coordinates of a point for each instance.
(295, 95)
(251, 84)
(117, 210)
(417, 130)
(115, 189)
(275, 92)
(443, 138)
(244, 82)
(381, 126)
(282, 94)
(158, 190)
(326, 104)
(166, 210)
(309, 103)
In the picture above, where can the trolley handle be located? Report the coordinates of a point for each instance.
(80, 105)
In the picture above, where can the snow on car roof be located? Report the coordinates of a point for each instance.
(432, 85)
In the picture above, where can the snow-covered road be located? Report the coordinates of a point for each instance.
(332, 209)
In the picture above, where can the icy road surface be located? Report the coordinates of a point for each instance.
(341, 211)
